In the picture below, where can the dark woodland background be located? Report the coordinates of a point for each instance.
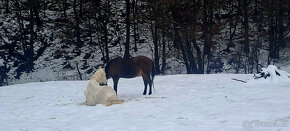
(195, 36)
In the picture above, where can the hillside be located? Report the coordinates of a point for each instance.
(50, 40)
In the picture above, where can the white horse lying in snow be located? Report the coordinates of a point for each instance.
(98, 92)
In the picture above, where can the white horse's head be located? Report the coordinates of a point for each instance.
(100, 76)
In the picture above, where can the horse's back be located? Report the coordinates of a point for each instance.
(129, 68)
(142, 60)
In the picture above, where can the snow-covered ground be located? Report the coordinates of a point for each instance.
(180, 102)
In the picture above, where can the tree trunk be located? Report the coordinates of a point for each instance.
(64, 8)
(81, 9)
(156, 49)
(272, 42)
(106, 32)
(280, 32)
(134, 3)
(193, 23)
(186, 63)
(199, 57)
(127, 44)
(246, 28)
(79, 43)
(36, 8)
(7, 6)
(106, 44)
(30, 51)
(163, 51)
(80, 74)
(205, 32)
(190, 57)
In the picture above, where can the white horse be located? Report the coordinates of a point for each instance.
(98, 92)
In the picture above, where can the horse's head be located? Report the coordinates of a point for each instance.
(100, 76)
(109, 67)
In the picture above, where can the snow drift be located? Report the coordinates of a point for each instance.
(271, 74)
(180, 102)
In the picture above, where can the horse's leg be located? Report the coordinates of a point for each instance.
(145, 84)
(150, 85)
(116, 80)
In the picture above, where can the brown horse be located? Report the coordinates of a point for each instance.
(130, 68)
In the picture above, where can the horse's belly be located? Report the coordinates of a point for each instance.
(129, 75)
(129, 72)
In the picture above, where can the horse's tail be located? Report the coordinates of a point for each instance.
(153, 74)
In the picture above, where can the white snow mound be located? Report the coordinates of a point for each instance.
(271, 74)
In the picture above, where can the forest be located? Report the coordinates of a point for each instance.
(68, 39)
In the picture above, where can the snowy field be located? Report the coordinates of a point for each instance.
(179, 102)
